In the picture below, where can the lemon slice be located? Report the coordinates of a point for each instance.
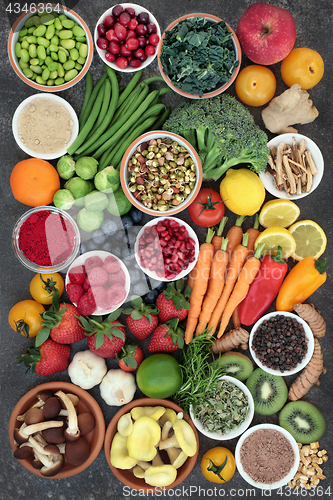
(310, 239)
(278, 213)
(274, 237)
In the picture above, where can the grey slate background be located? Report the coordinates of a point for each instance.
(314, 22)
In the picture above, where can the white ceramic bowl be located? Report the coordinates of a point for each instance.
(101, 52)
(267, 180)
(277, 484)
(182, 274)
(160, 134)
(14, 36)
(102, 254)
(236, 432)
(31, 152)
(309, 336)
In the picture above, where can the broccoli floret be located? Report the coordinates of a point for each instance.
(223, 132)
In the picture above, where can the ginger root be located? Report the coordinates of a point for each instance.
(292, 106)
(309, 376)
(231, 340)
(315, 320)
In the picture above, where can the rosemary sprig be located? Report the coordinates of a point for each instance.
(199, 375)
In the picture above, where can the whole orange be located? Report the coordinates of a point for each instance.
(34, 182)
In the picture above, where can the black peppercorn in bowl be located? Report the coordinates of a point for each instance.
(281, 343)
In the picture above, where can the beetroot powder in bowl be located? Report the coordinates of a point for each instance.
(45, 239)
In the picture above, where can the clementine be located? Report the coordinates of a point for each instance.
(34, 182)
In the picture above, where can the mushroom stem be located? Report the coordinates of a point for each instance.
(72, 432)
(120, 395)
(41, 426)
(165, 431)
(169, 443)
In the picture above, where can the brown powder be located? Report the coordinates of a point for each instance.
(267, 456)
(45, 125)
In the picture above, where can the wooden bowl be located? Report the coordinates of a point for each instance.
(126, 476)
(86, 404)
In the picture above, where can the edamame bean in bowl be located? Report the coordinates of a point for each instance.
(50, 48)
(161, 173)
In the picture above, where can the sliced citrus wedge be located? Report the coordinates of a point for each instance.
(273, 237)
(278, 213)
(310, 239)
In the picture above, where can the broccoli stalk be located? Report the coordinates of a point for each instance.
(223, 133)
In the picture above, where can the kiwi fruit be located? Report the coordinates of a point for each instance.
(269, 391)
(303, 420)
(236, 365)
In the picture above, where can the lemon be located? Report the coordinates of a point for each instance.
(159, 376)
(242, 191)
(310, 239)
(278, 213)
(274, 237)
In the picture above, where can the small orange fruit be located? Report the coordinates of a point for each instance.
(34, 182)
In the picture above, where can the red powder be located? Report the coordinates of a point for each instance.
(46, 238)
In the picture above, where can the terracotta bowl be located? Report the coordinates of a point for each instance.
(217, 91)
(126, 476)
(86, 403)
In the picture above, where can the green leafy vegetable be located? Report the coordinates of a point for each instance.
(198, 55)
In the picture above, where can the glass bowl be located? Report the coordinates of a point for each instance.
(67, 230)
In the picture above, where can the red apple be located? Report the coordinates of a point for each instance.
(266, 33)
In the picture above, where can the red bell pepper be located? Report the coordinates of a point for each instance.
(263, 289)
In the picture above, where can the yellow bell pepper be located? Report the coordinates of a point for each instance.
(304, 279)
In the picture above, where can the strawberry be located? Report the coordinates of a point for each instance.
(130, 358)
(60, 323)
(74, 292)
(97, 276)
(167, 338)
(86, 304)
(141, 318)
(105, 338)
(172, 303)
(49, 358)
(77, 275)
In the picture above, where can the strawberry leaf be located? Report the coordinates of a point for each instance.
(114, 315)
(180, 285)
(42, 335)
(114, 332)
(135, 314)
(29, 359)
(99, 339)
(136, 301)
(84, 322)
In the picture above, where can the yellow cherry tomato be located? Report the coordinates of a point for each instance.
(42, 287)
(218, 465)
(25, 317)
(303, 66)
(255, 85)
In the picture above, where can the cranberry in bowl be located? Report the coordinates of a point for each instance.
(126, 37)
(166, 249)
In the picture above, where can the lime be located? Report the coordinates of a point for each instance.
(159, 376)
(242, 191)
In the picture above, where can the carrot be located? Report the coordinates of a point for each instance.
(309, 376)
(203, 266)
(245, 278)
(191, 277)
(215, 285)
(315, 320)
(234, 268)
(253, 235)
(217, 239)
(235, 318)
(231, 340)
(235, 235)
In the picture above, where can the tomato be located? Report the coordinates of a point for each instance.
(255, 85)
(218, 465)
(303, 66)
(25, 317)
(42, 287)
(207, 208)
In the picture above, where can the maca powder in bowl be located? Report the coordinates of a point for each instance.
(267, 456)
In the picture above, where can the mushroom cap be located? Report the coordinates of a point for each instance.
(54, 435)
(86, 422)
(162, 475)
(144, 437)
(51, 407)
(23, 452)
(77, 452)
(52, 471)
(119, 456)
(34, 416)
(185, 437)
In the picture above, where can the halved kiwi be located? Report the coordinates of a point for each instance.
(303, 420)
(236, 365)
(269, 391)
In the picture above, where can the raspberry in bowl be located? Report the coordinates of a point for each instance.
(97, 283)
(166, 249)
(126, 37)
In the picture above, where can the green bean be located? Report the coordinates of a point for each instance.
(109, 115)
(116, 126)
(164, 90)
(161, 119)
(104, 108)
(128, 102)
(92, 98)
(127, 124)
(153, 79)
(129, 87)
(89, 123)
(89, 87)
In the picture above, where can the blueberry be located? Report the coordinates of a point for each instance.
(151, 296)
(119, 235)
(91, 245)
(108, 246)
(98, 237)
(135, 276)
(127, 253)
(129, 239)
(158, 285)
(109, 227)
(140, 288)
(136, 215)
(127, 221)
(116, 250)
